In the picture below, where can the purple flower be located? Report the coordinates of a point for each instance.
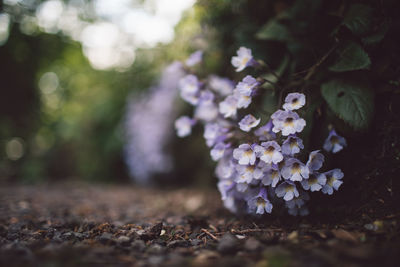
(223, 86)
(265, 132)
(243, 59)
(218, 151)
(241, 187)
(206, 112)
(269, 152)
(147, 124)
(247, 85)
(184, 125)
(287, 190)
(315, 160)
(206, 109)
(189, 84)
(288, 122)
(333, 181)
(315, 182)
(298, 201)
(243, 101)
(249, 172)
(294, 101)
(272, 176)
(225, 187)
(244, 154)
(277, 114)
(302, 211)
(194, 58)
(214, 133)
(334, 143)
(231, 204)
(294, 170)
(206, 97)
(296, 206)
(228, 107)
(260, 204)
(248, 122)
(292, 145)
(225, 167)
(189, 88)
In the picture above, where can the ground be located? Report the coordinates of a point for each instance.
(87, 225)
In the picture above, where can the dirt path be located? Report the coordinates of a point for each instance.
(87, 225)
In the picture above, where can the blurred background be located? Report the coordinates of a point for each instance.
(69, 69)
(88, 87)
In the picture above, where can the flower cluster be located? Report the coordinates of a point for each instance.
(259, 166)
(147, 127)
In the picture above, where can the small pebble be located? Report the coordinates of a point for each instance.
(228, 244)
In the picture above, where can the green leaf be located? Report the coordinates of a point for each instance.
(351, 57)
(352, 101)
(377, 35)
(273, 31)
(270, 102)
(305, 9)
(358, 19)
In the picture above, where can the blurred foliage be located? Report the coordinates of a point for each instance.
(340, 53)
(74, 130)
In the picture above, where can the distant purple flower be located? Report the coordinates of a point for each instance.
(272, 176)
(184, 125)
(243, 59)
(194, 58)
(189, 88)
(265, 132)
(248, 122)
(214, 133)
(288, 122)
(206, 112)
(230, 203)
(218, 151)
(294, 101)
(334, 143)
(243, 101)
(269, 152)
(292, 145)
(294, 170)
(298, 201)
(315, 182)
(224, 187)
(206, 97)
(302, 211)
(287, 190)
(147, 125)
(247, 85)
(206, 109)
(189, 84)
(333, 181)
(260, 204)
(228, 107)
(223, 86)
(244, 154)
(315, 160)
(225, 167)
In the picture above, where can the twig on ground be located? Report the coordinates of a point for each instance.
(246, 231)
(213, 228)
(209, 234)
